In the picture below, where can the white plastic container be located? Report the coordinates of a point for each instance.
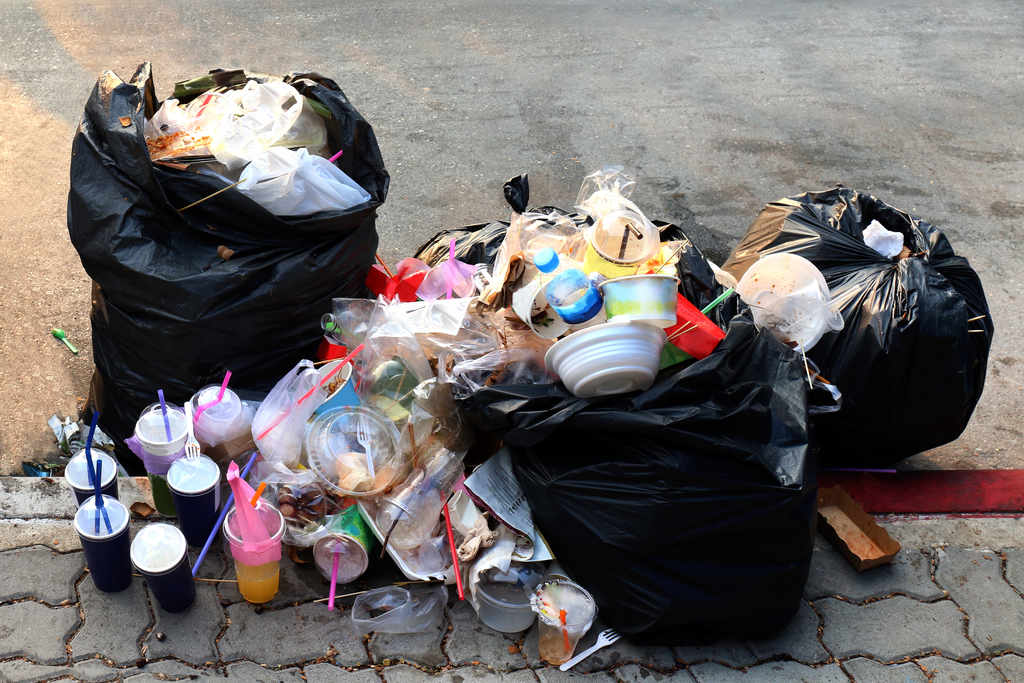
(607, 359)
(649, 299)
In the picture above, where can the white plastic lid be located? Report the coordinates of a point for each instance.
(85, 518)
(226, 410)
(150, 426)
(625, 237)
(192, 477)
(77, 470)
(158, 548)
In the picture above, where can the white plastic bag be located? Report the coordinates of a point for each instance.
(176, 131)
(886, 242)
(261, 114)
(293, 183)
(280, 422)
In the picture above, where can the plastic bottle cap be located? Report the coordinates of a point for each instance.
(546, 260)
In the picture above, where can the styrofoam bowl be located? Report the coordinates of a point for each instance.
(607, 359)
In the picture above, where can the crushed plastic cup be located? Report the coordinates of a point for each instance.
(788, 295)
(393, 609)
(257, 564)
(338, 443)
(607, 359)
(565, 612)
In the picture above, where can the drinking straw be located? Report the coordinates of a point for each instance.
(163, 409)
(336, 156)
(88, 447)
(334, 583)
(99, 500)
(451, 547)
(383, 265)
(449, 276)
(210, 404)
(220, 519)
(250, 526)
(718, 299)
(259, 492)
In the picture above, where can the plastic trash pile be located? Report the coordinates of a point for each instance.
(563, 415)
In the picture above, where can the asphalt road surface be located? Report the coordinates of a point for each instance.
(716, 108)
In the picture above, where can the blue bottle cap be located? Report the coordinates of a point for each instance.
(546, 260)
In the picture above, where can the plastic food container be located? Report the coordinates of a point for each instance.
(338, 456)
(607, 359)
(618, 241)
(504, 598)
(649, 299)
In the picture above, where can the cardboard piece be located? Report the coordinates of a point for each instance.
(854, 532)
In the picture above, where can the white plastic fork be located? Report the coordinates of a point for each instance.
(364, 441)
(191, 445)
(604, 639)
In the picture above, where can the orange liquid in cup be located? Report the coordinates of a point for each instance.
(258, 584)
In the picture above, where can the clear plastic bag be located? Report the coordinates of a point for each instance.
(176, 131)
(502, 366)
(260, 115)
(393, 609)
(279, 425)
(296, 183)
(605, 191)
(302, 500)
(309, 131)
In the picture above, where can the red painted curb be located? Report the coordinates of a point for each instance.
(932, 491)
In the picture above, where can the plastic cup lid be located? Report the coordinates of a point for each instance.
(225, 411)
(554, 596)
(192, 477)
(85, 518)
(150, 426)
(336, 455)
(77, 470)
(158, 548)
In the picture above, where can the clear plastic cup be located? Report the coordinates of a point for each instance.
(257, 565)
(565, 612)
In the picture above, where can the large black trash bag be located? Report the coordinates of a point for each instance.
(909, 368)
(479, 243)
(688, 510)
(168, 311)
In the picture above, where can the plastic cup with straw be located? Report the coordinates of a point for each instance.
(97, 475)
(209, 404)
(223, 514)
(163, 411)
(254, 535)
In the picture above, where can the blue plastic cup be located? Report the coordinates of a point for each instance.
(160, 554)
(106, 548)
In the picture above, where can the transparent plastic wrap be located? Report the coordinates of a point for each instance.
(502, 366)
(302, 500)
(393, 609)
(604, 191)
(289, 182)
(279, 425)
(411, 513)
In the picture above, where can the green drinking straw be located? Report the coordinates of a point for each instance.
(718, 299)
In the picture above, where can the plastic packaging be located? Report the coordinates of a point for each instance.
(289, 182)
(280, 423)
(411, 513)
(393, 609)
(261, 114)
(502, 599)
(888, 243)
(917, 329)
(568, 290)
(648, 299)
(354, 451)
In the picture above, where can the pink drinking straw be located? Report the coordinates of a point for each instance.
(250, 526)
(336, 156)
(449, 271)
(210, 404)
(163, 409)
(334, 583)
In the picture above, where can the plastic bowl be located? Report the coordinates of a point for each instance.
(648, 299)
(336, 456)
(607, 359)
(505, 598)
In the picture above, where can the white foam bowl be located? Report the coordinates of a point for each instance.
(607, 359)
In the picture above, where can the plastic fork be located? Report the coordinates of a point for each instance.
(604, 639)
(191, 445)
(364, 441)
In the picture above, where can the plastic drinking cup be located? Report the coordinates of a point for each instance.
(195, 487)
(257, 565)
(565, 612)
(77, 475)
(160, 554)
(350, 539)
(159, 452)
(106, 550)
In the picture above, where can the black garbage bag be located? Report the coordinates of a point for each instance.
(181, 296)
(908, 364)
(687, 510)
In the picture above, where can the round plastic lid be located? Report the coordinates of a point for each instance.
(77, 470)
(150, 426)
(546, 260)
(158, 548)
(552, 597)
(85, 518)
(192, 477)
(226, 410)
(337, 456)
(625, 236)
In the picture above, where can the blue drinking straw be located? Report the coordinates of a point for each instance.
(163, 409)
(223, 514)
(88, 447)
(99, 500)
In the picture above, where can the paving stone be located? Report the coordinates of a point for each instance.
(1012, 666)
(127, 609)
(1015, 568)
(634, 673)
(327, 673)
(909, 573)
(171, 668)
(798, 640)
(622, 652)
(20, 671)
(290, 635)
(403, 673)
(893, 628)
(188, 635)
(37, 632)
(944, 670)
(52, 586)
(974, 579)
(554, 675)
(254, 673)
(870, 671)
(771, 672)
(296, 584)
(470, 640)
(415, 648)
(731, 652)
(95, 670)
